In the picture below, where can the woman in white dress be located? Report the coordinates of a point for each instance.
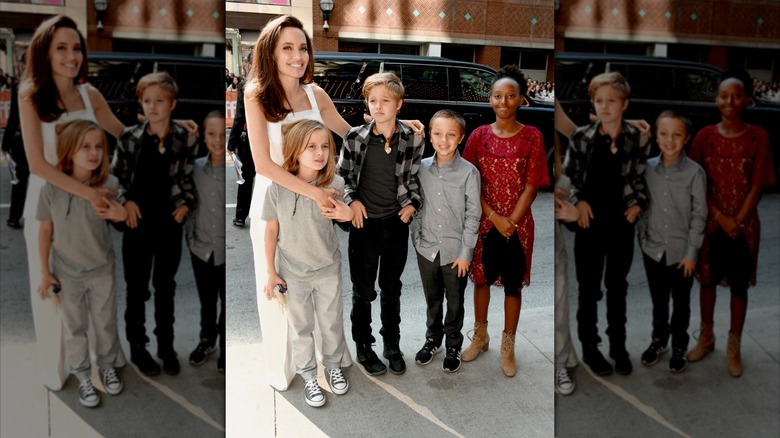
(54, 91)
(279, 90)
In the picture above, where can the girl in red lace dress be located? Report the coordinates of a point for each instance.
(738, 162)
(510, 157)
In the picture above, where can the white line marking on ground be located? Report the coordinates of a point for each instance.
(408, 401)
(643, 408)
(230, 205)
(183, 402)
(5, 205)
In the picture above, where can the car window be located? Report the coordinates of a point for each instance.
(425, 82)
(343, 79)
(473, 84)
(194, 80)
(655, 82)
(572, 78)
(117, 79)
(695, 84)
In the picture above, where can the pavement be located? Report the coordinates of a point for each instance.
(703, 401)
(478, 400)
(189, 404)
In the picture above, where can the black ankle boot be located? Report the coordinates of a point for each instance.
(595, 360)
(369, 360)
(143, 360)
(170, 362)
(395, 357)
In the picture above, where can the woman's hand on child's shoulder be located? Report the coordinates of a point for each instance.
(115, 212)
(324, 197)
(99, 198)
(341, 212)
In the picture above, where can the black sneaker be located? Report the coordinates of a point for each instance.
(452, 360)
(239, 222)
(678, 363)
(144, 361)
(425, 355)
(653, 352)
(395, 358)
(201, 352)
(369, 360)
(170, 362)
(595, 360)
(623, 364)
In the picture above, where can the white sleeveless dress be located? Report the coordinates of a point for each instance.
(48, 329)
(279, 367)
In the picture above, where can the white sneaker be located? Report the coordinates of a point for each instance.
(564, 384)
(338, 383)
(111, 381)
(87, 394)
(313, 393)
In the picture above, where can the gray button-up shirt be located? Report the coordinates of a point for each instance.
(449, 219)
(677, 212)
(206, 225)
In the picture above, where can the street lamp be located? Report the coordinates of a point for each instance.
(100, 8)
(327, 7)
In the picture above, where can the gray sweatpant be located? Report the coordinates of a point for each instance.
(315, 299)
(91, 298)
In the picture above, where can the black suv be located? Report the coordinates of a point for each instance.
(200, 81)
(431, 84)
(657, 84)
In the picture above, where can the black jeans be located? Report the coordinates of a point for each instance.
(244, 196)
(380, 246)
(665, 281)
(151, 251)
(439, 282)
(606, 248)
(210, 280)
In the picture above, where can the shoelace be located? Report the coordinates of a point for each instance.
(312, 388)
(337, 376)
(562, 375)
(86, 389)
(110, 377)
(429, 345)
(453, 352)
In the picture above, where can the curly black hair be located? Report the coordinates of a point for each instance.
(512, 72)
(741, 75)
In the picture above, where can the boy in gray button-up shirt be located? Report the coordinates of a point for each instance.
(445, 234)
(670, 234)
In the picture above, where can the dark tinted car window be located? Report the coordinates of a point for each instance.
(117, 79)
(474, 85)
(697, 85)
(648, 82)
(425, 82)
(343, 79)
(196, 81)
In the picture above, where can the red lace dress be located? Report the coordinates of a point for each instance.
(733, 166)
(506, 166)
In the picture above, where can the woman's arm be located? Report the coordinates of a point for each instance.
(105, 117)
(261, 153)
(330, 115)
(33, 147)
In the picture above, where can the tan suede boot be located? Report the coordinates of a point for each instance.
(479, 343)
(704, 345)
(733, 355)
(508, 364)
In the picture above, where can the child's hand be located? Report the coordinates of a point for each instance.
(632, 213)
(417, 127)
(359, 211)
(324, 198)
(114, 213)
(406, 213)
(586, 214)
(133, 214)
(340, 213)
(462, 265)
(189, 125)
(273, 280)
(688, 266)
(47, 281)
(180, 213)
(642, 126)
(566, 211)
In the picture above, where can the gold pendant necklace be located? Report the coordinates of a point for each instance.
(161, 147)
(387, 146)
